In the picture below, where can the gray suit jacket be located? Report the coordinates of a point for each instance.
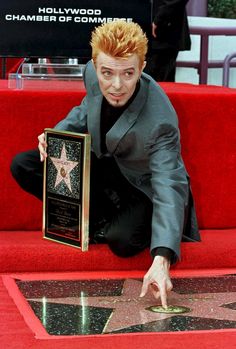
(145, 144)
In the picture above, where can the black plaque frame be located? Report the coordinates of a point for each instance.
(66, 188)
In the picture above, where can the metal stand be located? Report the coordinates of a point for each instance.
(4, 68)
(226, 66)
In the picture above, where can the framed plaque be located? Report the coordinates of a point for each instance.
(66, 188)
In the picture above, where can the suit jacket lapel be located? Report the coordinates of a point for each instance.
(126, 120)
(94, 117)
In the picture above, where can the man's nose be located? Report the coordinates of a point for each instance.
(117, 83)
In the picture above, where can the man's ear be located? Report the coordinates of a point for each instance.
(93, 63)
(144, 65)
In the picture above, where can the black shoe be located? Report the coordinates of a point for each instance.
(98, 237)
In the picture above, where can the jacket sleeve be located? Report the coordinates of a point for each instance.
(165, 11)
(76, 120)
(170, 188)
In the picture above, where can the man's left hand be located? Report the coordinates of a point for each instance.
(157, 279)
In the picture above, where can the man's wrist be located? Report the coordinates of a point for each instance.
(164, 252)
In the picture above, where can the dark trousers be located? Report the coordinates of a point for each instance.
(116, 207)
(161, 64)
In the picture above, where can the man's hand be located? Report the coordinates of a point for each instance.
(154, 28)
(157, 279)
(42, 147)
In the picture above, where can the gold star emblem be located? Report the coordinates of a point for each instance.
(64, 168)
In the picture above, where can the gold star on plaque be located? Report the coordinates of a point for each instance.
(64, 168)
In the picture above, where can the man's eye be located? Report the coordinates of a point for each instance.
(129, 74)
(106, 73)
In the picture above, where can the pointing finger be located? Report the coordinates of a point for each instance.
(144, 287)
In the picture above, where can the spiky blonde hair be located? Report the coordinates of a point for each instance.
(119, 39)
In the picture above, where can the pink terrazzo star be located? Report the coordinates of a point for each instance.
(129, 309)
(64, 167)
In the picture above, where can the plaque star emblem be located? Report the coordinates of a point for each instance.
(129, 309)
(64, 168)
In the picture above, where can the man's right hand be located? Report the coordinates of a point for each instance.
(157, 279)
(42, 147)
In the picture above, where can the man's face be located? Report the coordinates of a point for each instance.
(117, 77)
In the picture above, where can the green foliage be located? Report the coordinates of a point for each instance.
(222, 8)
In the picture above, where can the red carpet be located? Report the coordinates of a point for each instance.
(29, 252)
(15, 334)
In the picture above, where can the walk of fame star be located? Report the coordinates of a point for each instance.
(64, 168)
(127, 312)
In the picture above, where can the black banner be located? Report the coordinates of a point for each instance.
(62, 28)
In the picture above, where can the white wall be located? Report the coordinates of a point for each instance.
(219, 47)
